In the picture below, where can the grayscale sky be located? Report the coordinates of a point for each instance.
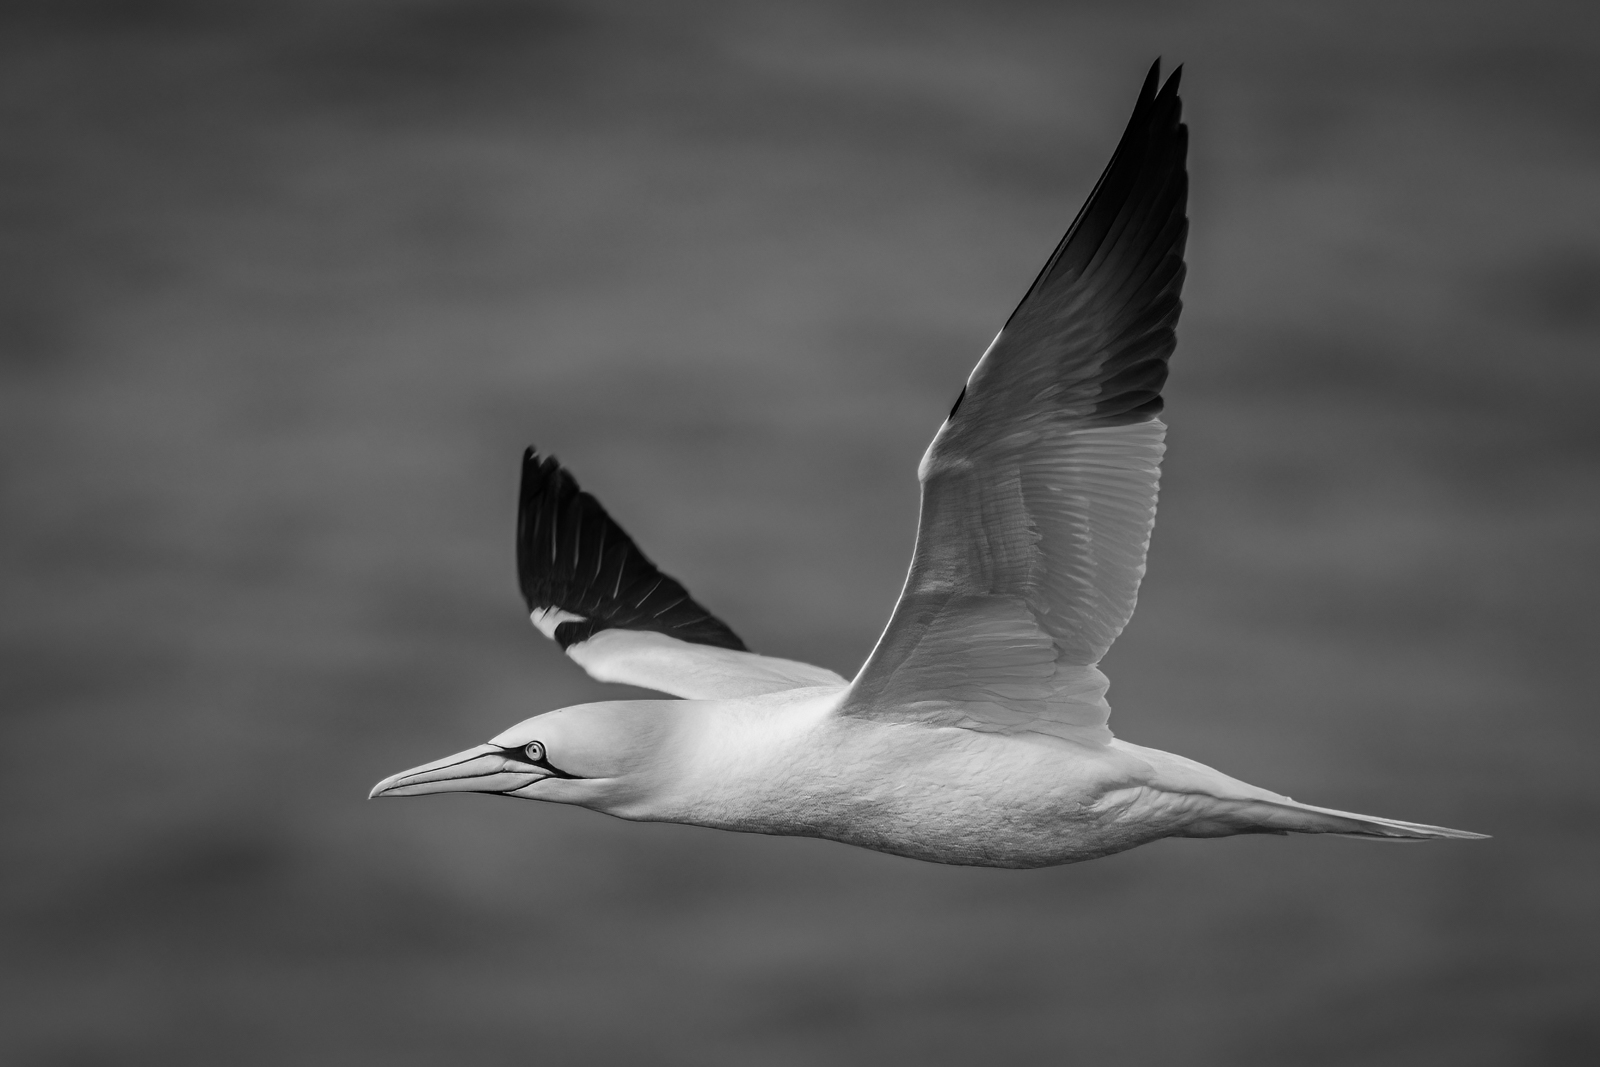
(286, 287)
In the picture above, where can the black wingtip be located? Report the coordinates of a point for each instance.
(1117, 275)
(572, 556)
(1152, 80)
(1156, 117)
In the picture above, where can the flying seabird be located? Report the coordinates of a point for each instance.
(975, 733)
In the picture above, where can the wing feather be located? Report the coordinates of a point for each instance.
(590, 589)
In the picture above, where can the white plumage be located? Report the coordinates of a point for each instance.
(976, 731)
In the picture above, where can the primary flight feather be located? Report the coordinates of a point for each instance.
(976, 731)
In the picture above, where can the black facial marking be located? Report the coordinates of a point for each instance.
(520, 754)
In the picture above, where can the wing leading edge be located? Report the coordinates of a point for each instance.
(1039, 491)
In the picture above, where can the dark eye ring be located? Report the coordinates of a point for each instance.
(534, 751)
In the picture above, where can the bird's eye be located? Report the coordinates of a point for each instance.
(535, 752)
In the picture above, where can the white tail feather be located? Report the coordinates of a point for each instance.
(1258, 816)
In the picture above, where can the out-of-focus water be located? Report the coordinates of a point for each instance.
(287, 287)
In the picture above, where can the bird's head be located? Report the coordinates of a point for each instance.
(597, 755)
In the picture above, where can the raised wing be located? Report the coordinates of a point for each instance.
(590, 589)
(1039, 491)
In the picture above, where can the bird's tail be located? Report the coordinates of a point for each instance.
(1285, 816)
(1307, 819)
(1219, 806)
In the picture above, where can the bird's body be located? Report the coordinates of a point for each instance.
(976, 732)
(787, 763)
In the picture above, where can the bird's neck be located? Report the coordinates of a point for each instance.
(736, 764)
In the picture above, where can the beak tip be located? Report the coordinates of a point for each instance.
(383, 787)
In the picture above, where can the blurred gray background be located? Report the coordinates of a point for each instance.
(287, 286)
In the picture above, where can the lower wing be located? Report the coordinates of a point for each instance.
(590, 589)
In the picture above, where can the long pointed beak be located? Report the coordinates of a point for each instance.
(485, 769)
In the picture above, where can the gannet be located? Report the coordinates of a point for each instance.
(975, 732)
